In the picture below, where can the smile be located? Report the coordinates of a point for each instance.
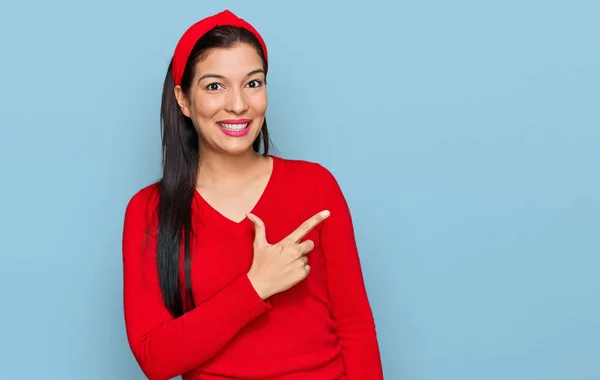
(235, 128)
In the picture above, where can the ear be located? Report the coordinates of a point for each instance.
(182, 100)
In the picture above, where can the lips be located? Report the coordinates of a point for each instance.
(234, 125)
(234, 128)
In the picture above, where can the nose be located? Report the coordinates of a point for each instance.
(236, 101)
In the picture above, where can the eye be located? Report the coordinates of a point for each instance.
(254, 83)
(213, 87)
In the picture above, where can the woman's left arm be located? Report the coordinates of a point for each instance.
(351, 308)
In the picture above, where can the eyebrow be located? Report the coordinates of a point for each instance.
(222, 77)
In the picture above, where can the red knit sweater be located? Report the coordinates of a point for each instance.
(320, 329)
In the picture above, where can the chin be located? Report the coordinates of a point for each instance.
(237, 152)
(232, 145)
(239, 145)
(238, 148)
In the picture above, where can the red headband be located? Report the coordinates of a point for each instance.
(192, 35)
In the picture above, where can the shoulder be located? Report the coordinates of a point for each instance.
(142, 204)
(305, 169)
(312, 177)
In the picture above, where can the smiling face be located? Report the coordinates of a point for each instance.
(227, 99)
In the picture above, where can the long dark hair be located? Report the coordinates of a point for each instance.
(180, 170)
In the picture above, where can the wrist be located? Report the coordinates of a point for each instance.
(259, 287)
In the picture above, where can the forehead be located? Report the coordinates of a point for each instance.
(235, 61)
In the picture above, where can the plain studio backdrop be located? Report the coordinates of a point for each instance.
(465, 135)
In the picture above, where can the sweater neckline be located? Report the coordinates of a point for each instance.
(216, 217)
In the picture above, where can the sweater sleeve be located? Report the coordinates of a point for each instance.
(351, 307)
(166, 347)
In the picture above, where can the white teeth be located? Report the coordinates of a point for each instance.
(233, 127)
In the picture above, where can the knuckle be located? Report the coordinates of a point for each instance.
(287, 250)
(302, 272)
(285, 246)
(307, 246)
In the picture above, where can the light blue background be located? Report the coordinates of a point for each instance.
(465, 135)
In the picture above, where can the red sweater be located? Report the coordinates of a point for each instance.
(320, 329)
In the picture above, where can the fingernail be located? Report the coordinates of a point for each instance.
(325, 213)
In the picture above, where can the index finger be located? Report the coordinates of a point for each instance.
(307, 226)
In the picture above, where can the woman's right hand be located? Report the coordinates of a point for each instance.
(277, 267)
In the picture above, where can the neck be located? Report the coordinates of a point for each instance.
(219, 167)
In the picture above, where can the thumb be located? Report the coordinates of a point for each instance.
(260, 236)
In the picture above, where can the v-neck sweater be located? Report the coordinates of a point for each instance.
(320, 329)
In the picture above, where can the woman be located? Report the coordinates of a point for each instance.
(239, 264)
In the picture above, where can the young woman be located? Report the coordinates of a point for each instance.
(239, 264)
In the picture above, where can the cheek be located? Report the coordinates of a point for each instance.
(259, 103)
(207, 106)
